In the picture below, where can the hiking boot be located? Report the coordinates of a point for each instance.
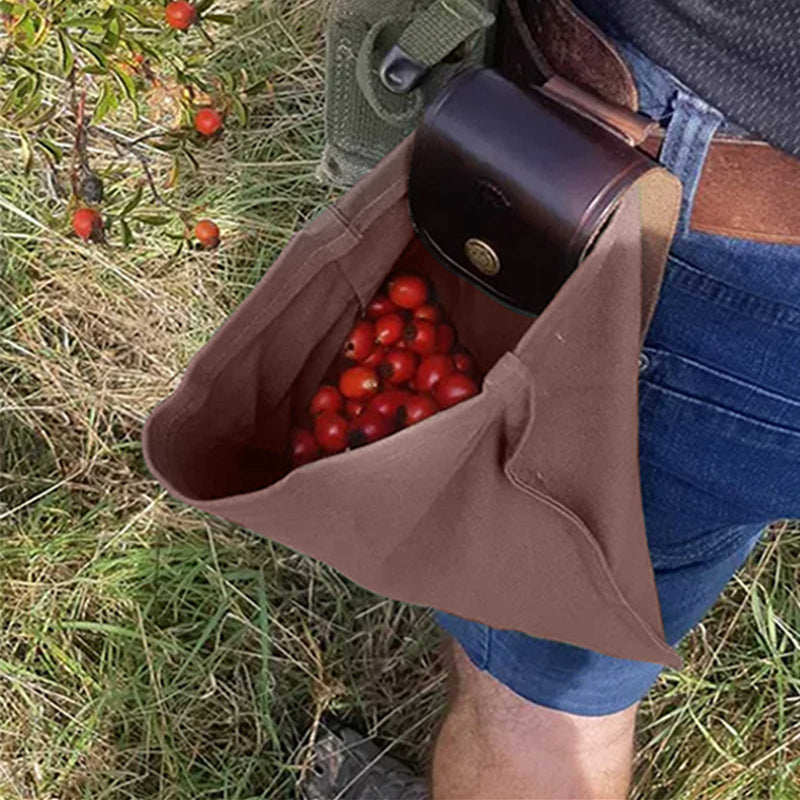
(348, 766)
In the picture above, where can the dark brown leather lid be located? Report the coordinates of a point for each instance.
(510, 188)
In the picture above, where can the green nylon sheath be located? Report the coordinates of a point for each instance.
(364, 120)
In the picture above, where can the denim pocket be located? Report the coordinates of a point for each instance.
(737, 408)
(717, 448)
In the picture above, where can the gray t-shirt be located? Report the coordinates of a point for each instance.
(742, 56)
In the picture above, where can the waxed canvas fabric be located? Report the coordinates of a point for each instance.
(521, 507)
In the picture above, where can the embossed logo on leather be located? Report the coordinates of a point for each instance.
(492, 195)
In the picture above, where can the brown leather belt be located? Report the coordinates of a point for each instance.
(748, 189)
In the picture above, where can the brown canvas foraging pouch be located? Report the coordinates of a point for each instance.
(521, 507)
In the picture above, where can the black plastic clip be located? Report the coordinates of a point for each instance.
(400, 73)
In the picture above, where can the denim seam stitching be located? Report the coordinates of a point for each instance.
(770, 426)
(693, 281)
(678, 555)
(664, 355)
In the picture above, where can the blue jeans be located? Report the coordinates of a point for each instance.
(719, 427)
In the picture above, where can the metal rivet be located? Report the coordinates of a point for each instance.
(482, 256)
(644, 362)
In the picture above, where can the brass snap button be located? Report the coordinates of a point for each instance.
(482, 256)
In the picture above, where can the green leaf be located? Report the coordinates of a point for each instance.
(31, 68)
(41, 34)
(239, 110)
(125, 81)
(107, 102)
(94, 51)
(204, 5)
(50, 147)
(32, 105)
(136, 14)
(222, 19)
(27, 152)
(166, 147)
(46, 116)
(93, 23)
(192, 159)
(133, 202)
(65, 54)
(23, 26)
(197, 60)
(19, 91)
(259, 86)
(111, 39)
(127, 234)
(149, 219)
(174, 173)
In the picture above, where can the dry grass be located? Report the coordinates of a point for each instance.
(149, 651)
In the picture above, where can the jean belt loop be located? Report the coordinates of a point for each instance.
(691, 127)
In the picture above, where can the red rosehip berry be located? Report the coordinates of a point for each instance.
(303, 447)
(207, 233)
(330, 430)
(408, 291)
(87, 223)
(388, 403)
(359, 383)
(454, 388)
(431, 371)
(399, 366)
(375, 357)
(327, 398)
(420, 337)
(368, 427)
(360, 341)
(388, 329)
(380, 305)
(431, 312)
(464, 362)
(354, 408)
(207, 121)
(180, 15)
(419, 407)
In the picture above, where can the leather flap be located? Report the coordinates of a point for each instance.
(511, 188)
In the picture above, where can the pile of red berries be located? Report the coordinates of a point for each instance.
(401, 364)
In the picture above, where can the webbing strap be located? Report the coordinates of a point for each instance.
(427, 39)
(442, 27)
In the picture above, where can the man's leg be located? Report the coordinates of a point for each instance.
(495, 745)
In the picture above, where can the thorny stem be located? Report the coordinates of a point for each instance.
(80, 159)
